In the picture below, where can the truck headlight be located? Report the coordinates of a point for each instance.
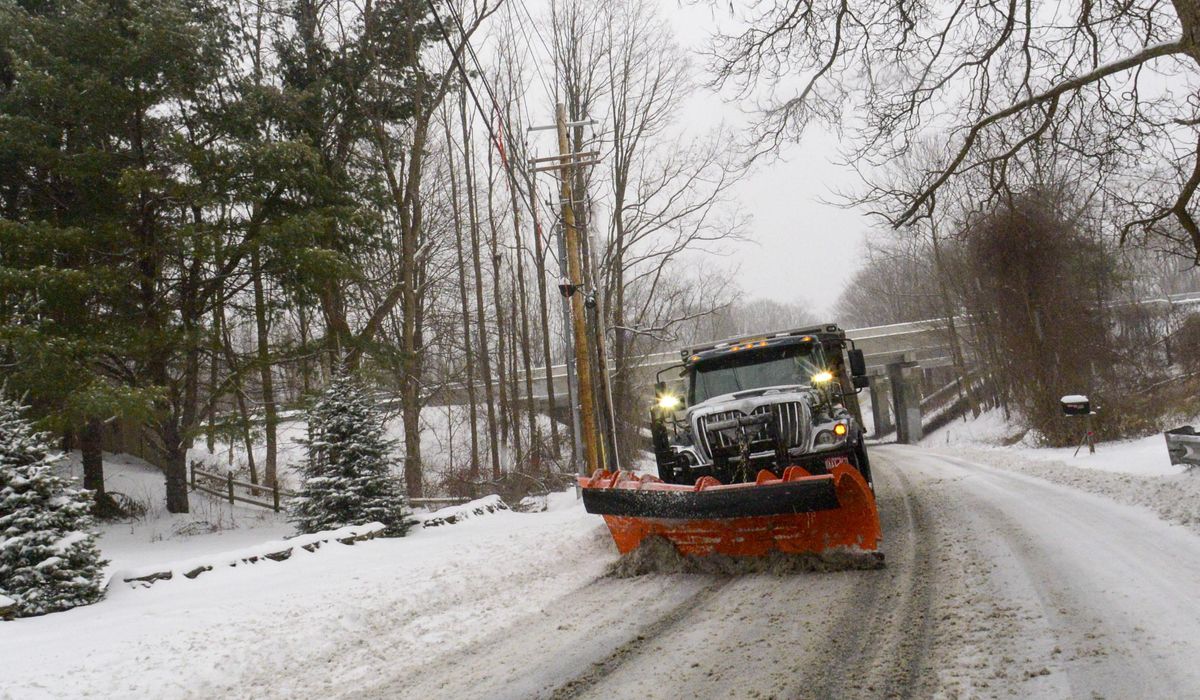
(831, 436)
(822, 377)
(668, 402)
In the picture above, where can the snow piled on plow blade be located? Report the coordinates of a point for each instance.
(657, 555)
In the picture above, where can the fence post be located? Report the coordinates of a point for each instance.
(275, 493)
(229, 476)
(193, 479)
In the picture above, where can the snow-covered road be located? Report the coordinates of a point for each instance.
(997, 584)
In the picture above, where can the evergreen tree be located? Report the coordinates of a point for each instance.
(348, 477)
(142, 180)
(48, 555)
(102, 235)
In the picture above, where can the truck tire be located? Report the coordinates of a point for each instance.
(666, 468)
(862, 463)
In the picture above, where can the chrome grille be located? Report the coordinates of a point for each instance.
(703, 434)
(792, 422)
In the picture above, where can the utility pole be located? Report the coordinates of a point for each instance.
(572, 380)
(599, 313)
(583, 358)
(574, 289)
(597, 310)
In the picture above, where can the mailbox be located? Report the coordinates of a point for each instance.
(1076, 405)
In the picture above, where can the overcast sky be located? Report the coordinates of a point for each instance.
(804, 248)
(800, 248)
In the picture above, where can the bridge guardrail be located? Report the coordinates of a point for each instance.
(1183, 446)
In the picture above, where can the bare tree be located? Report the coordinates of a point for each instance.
(664, 195)
(400, 152)
(897, 283)
(1110, 88)
(1040, 308)
(746, 316)
(465, 308)
(485, 361)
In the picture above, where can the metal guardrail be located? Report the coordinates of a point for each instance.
(1183, 445)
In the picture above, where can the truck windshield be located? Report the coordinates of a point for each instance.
(777, 366)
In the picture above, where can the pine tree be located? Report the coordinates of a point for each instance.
(348, 477)
(48, 555)
(111, 214)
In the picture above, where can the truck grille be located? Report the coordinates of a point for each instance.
(792, 423)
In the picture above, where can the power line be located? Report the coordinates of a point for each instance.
(482, 75)
(492, 98)
(454, 56)
(529, 52)
(467, 81)
(547, 85)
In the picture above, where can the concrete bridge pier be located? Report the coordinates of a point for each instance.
(881, 399)
(905, 379)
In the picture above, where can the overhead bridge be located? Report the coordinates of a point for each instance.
(914, 385)
(890, 351)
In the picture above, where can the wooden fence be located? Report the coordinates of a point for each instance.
(231, 489)
(225, 487)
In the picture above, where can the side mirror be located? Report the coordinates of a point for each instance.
(858, 363)
(861, 381)
(660, 388)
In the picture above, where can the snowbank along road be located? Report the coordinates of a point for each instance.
(997, 585)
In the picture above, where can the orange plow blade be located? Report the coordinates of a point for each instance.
(800, 513)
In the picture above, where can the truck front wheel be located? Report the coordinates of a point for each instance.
(862, 463)
(666, 467)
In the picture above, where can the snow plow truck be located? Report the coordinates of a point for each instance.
(759, 447)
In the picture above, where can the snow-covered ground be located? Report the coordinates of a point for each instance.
(275, 628)
(306, 626)
(157, 537)
(1146, 456)
(1043, 591)
(1003, 580)
(214, 525)
(1135, 472)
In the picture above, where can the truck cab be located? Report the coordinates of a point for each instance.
(768, 401)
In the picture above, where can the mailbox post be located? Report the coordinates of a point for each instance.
(1079, 405)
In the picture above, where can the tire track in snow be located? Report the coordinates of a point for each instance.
(996, 585)
(881, 634)
(569, 638)
(985, 636)
(639, 643)
(1117, 588)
